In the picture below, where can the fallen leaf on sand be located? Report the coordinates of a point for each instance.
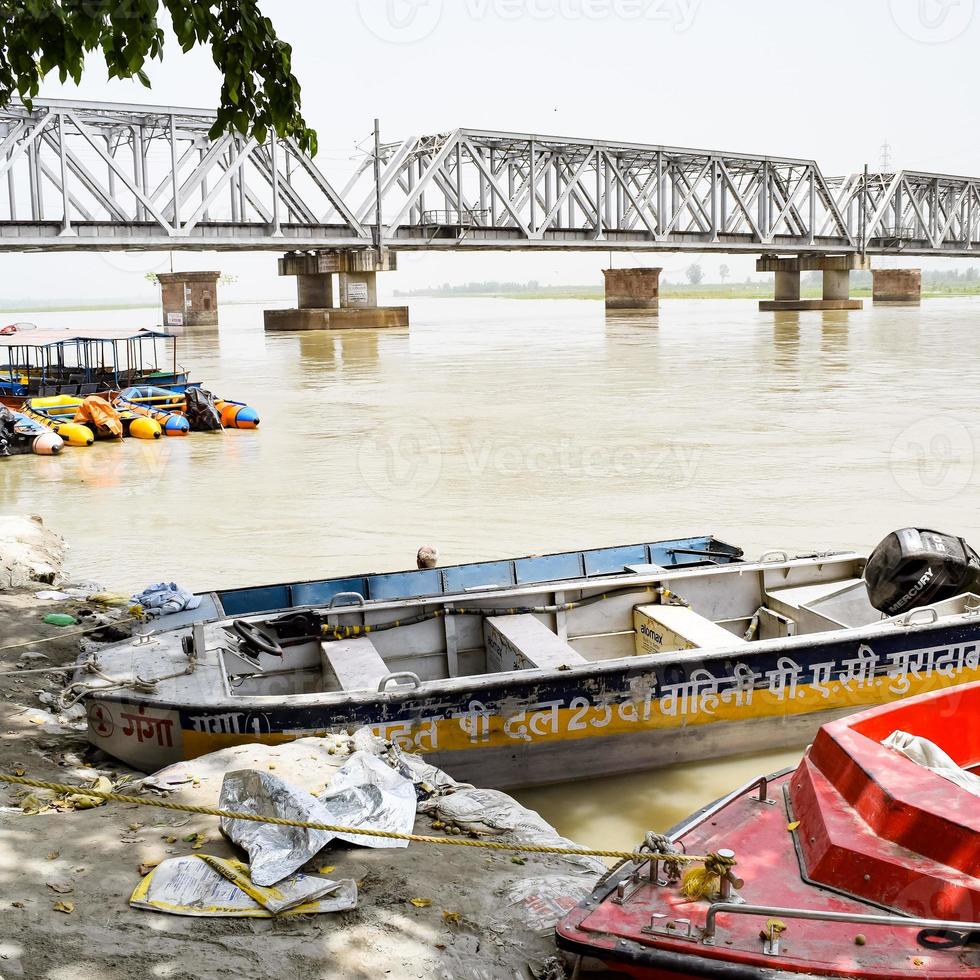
(517, 859)
(17, 905)
(52, 856)
(421, 903)
(61, 887)
(326, 869)
(452, 918)
(64, 906)
(20, 771)
(146, 867)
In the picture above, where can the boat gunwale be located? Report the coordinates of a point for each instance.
(599, 583)
(475, 683)
(735, 558)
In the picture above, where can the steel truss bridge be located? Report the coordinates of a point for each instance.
(97, 176)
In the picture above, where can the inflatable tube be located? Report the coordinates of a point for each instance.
(48, 444)
(42, 440)
(235, 415)
(70, 432)
(140, 427)
(171, 422)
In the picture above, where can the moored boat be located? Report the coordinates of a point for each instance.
(568, 675)
(71, 432)
(44, 363)
(21, 435)
(862, 862)
(94, 414)
(165, 404)
(158, 404)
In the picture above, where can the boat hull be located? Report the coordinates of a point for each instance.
(859, 882)
(530, 727)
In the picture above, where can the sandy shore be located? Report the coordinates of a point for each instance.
(473, 928)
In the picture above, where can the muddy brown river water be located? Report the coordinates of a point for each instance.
(495, 428)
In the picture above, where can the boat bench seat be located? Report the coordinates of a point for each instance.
(524, 643)
(352, 665)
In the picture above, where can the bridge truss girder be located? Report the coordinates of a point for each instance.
(93, 176)
(478, 189)
(82, 175)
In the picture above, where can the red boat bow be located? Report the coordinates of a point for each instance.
(844, 863)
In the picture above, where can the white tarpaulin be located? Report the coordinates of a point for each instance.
(929, 755)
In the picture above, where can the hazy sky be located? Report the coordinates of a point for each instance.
(830, 80)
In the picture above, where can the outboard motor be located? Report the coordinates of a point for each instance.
(202, 413)
(915, 567)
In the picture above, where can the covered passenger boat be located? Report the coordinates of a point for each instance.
(78, 363)
(633, 666)
(864, 861)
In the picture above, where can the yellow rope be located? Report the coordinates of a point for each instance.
(211, 811)
(702, 882)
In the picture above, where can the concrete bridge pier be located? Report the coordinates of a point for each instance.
(632, 289)
(189, 299)
(357, 272)
(897, 287)
(836, 270)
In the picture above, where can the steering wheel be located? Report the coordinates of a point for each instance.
(253, 637)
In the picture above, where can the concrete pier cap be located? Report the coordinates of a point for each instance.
(189, 299)
(632, 289)
(836, 271)
(356, 271)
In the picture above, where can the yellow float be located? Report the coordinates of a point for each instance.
(80, 421)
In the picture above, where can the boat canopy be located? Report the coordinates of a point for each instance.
(100, 357)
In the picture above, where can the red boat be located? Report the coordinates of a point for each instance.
(858, 863)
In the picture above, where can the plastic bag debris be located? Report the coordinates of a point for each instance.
(59, 619)
(428, 780)
(367, 793)
(540, 902)
(364, 792)
(488, 811)
(204, 885)
(165, 598)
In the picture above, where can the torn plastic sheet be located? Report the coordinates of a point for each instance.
(428, 779)
(368, 793)
(488, 811)
(203, 885)
(538, 903)
(274, 851)
(365, 792)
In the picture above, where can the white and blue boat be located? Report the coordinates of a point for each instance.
(539, 669)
